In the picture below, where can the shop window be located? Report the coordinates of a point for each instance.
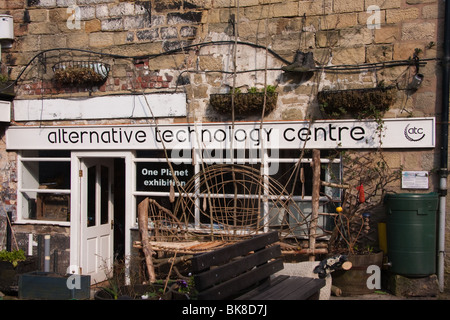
(44, 186)
(238, 195)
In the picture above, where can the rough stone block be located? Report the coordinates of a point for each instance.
(351, 55)
(413, 287)
(44, 3)
(348, 6)
(94, 25)
(150, 34)
(43, 28)
(327, 38)
(379, 53)
(38, 15)
(188, 32)
(285, 9)
(136, 22)
(101, 39)
(183, 18)
(355, 36)
(339, 21)
(112, 24)
(78, 40)
(383, 4)
(400, 15)
(404, 50)
(418, 30)
(387, 34)
(122, 9)
(87, 12)
(312, 8)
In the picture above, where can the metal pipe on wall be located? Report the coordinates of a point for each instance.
(443, 173)
(47, 253)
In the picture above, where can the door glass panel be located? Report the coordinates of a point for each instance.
(104, 184)
(91, 197)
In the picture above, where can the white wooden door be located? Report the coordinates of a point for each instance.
(97, 217)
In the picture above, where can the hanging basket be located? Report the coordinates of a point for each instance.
(356, 103)
(244, 103)
(80, 73)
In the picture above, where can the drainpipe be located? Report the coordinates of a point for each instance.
(444, 147)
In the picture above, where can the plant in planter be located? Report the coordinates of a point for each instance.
(357, 103)
(367, 178)
(13, 257)
(12, 265)
(245, 103)
(6, 87)
(154, 291)
(184, 290)
(80, 74)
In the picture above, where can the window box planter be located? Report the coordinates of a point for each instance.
(80, 73)
(53, 286)
(248, 103)
(6, 89)
(356, 103)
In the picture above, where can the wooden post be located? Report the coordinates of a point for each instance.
(314, 201)
(146, 246)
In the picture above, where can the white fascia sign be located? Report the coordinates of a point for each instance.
(102, 107)
(5, 111)
(398, 133)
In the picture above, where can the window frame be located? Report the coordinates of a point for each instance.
(21, 190)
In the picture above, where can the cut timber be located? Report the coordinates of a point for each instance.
(336, 291)
(143, 229)
(183, 247)
(334, 185)
(347, 265)
(314, 201)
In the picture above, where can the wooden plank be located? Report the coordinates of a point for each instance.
(230, 270)
(217, 257)
(228, 289)
(263, 287)
(292, 288)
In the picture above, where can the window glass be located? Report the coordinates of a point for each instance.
(45, 206)
(242, 199)
(44, 185)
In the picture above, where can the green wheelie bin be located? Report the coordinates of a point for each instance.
(411, 230)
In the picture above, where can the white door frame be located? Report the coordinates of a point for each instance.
(75, 203)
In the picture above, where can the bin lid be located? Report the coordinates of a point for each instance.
(411, 196)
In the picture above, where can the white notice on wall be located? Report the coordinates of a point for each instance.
(414, 179)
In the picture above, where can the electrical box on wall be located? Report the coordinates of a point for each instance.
(6, 30)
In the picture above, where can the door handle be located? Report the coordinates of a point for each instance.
(112, 224)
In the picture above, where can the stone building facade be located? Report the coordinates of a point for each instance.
(179, 53)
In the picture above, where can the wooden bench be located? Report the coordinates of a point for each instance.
(243, 271)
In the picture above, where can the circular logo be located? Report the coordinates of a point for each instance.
(413, 133)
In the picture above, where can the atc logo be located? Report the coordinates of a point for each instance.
(413, 133)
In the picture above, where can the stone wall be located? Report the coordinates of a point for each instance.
(337, 32)
(203, 47)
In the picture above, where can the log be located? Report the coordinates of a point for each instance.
(334, 185)
(336, 291)
(146, 246)
(347, 265)
(314, 201)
